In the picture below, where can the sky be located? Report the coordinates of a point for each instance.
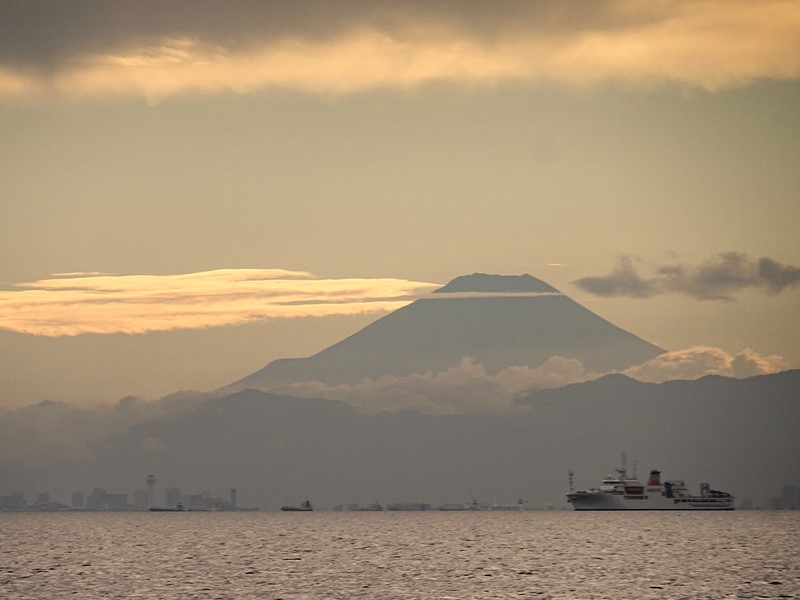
(191, 190)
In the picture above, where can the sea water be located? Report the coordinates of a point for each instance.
(400, 555)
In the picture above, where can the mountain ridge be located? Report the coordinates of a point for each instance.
(738, 434)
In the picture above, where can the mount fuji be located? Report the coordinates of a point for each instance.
(495, 320)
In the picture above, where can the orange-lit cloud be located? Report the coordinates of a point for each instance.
(464, 388)
(699, 361)
(76, 304)
(705, 44)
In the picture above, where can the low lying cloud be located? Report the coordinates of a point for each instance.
(55, 431)
(465, 388)
(335, 48)
(470, 388)
(73, 304)
(717, 279)
(700, 361)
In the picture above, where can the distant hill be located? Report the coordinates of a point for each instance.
(738, 435)
(498, 321)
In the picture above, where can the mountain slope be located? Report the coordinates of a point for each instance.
(498, 321)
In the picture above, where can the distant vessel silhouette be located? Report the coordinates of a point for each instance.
(461, 507)
(177, 508)
(369, 508)
(305, 506)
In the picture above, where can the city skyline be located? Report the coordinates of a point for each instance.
(99, 499)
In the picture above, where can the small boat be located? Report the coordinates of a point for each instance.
(305, 506)
(177, 508)
(369, 508)
(462, 507)
(623, 492)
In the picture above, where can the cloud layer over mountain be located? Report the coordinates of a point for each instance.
(74, 304)
(470, 388)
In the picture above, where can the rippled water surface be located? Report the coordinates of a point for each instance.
(743, 554)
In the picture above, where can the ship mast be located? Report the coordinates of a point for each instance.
(622, 470)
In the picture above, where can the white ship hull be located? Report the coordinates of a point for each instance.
(591, 500)
(620, 492)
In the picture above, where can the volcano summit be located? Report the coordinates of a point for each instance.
(495, 320)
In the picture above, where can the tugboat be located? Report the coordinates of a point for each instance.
(305, 506)
(622, 492)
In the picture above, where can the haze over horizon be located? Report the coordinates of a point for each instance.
(192, 191)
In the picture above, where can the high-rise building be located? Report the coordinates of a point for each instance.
(151, 483)
(77, 500)
(96, 499)
(116, 501)
(15, 500)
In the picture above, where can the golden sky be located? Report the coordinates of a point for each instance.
(189, 166)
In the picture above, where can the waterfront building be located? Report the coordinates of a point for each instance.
(77, 500)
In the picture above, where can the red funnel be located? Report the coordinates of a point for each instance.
(655, 478)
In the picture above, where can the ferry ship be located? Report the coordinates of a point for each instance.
(622, 492)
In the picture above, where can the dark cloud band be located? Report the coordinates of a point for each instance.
(156, 49)
(45, 33)
(717, 279)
